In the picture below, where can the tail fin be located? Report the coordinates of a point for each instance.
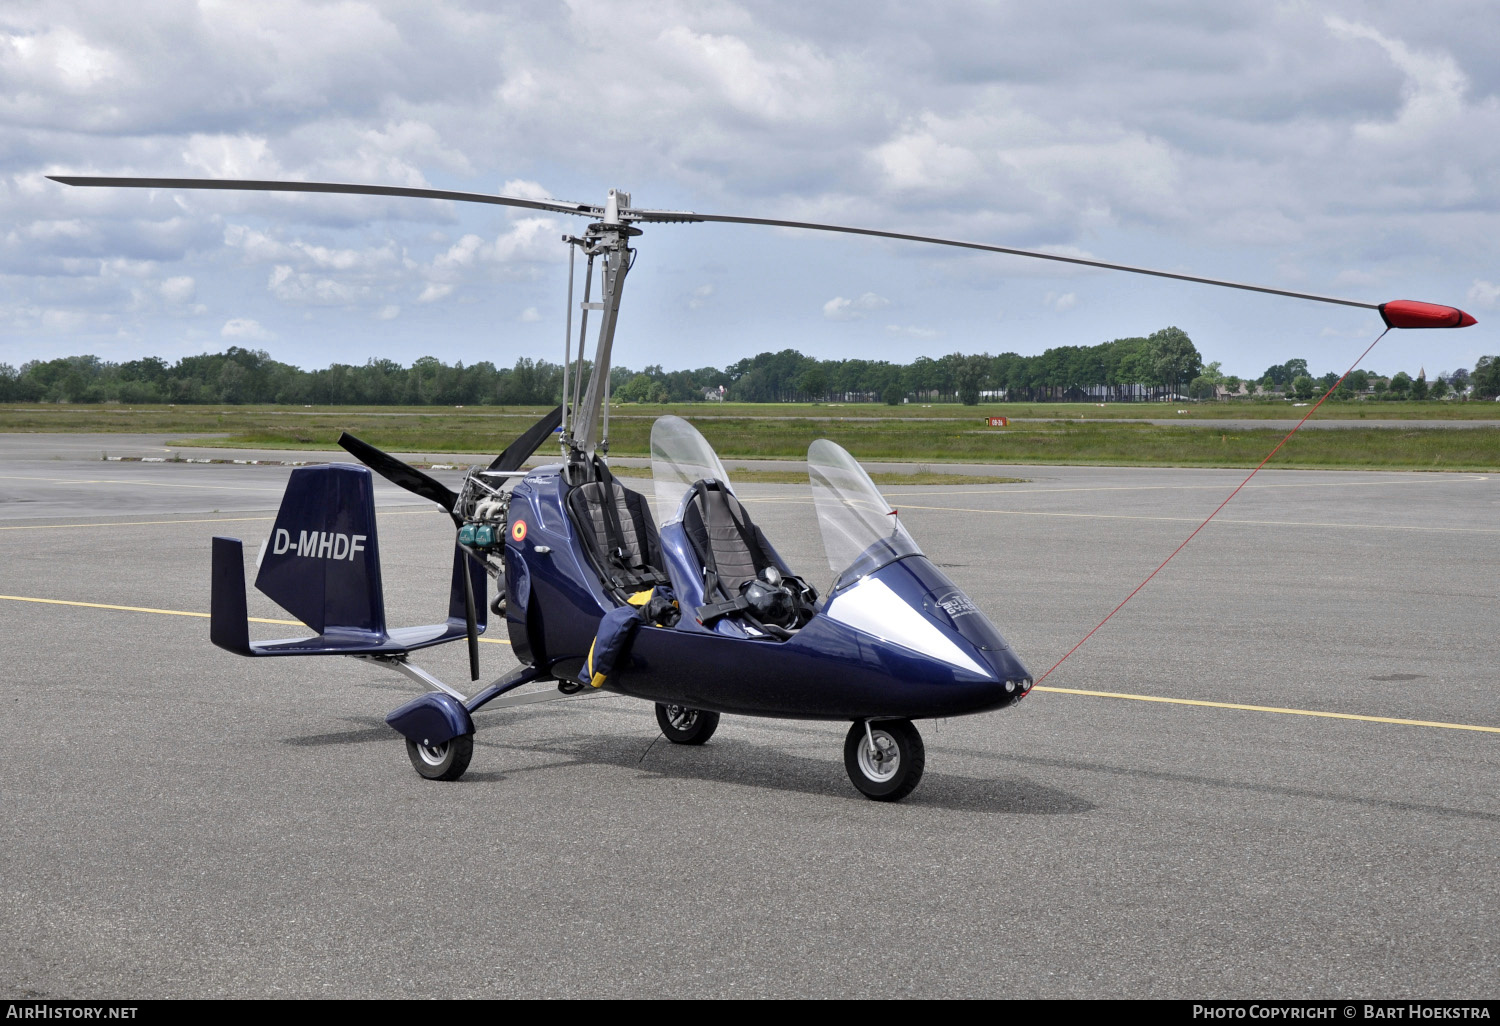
(322, 560)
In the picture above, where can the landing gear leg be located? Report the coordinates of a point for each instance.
(884, 758)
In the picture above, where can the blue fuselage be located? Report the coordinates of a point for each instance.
(899, 641)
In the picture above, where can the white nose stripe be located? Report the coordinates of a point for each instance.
(871, 606)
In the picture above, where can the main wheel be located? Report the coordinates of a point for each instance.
(684, 726)
(892, 768)
(446, 761)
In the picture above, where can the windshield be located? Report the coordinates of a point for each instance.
(680, 457)
(860, 530)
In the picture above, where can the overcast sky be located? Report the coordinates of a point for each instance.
(1344, 148)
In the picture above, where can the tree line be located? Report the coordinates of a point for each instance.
(1165, 364)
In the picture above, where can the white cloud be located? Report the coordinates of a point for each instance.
(231, 156)
(389, 312)
(1484, 293)
(918, 160)
(260, 247)
(769, 83)
(840, 309)
(64, 320)
(699, 298)
(1061, 302)
(530, 315)
(1433, 95)
(996, 154)
(56, 58)
(301, 287)
(121, 267)
(179, 290)
(433, 292)
(247, 329)
(912, 331)
(521, 188)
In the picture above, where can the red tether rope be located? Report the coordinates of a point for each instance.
(1226, 502)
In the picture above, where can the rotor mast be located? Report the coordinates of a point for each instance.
(608, 240)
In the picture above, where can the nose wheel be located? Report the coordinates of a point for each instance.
(885, 758)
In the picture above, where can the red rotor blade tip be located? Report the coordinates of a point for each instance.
(1406, 313)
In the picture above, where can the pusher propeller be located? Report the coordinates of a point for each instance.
(413, 480)
(519, 451)
(403, 474)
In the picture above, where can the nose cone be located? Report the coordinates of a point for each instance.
(936, 636)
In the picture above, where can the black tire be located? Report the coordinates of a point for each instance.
(684, 726)
(446, 761)
(892, 772)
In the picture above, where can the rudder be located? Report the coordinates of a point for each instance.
(322, 560)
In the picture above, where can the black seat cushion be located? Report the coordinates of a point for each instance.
(725, 538)
(638, 539)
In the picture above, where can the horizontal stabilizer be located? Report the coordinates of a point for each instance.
(230, 630)
(322, 564)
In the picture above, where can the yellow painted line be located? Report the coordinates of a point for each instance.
(270, 488)
(209, 520)
(1269, 709)
(135, 609)
(1039, 687)
(170, 612)
(134, 523)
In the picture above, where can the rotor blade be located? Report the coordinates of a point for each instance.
(670, 216)
(517, 452)
(246, 185)
(471, 618)
(398, 473)
(686, 216)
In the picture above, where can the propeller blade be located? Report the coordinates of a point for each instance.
(246, 185)
(399, 473)
(517, 452)
(471, 618)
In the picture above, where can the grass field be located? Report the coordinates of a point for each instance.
(104, 418)
(1040, 433)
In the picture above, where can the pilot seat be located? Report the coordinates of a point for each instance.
(618, 534)
(742, 574)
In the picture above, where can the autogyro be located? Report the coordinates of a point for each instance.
(691, 608)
